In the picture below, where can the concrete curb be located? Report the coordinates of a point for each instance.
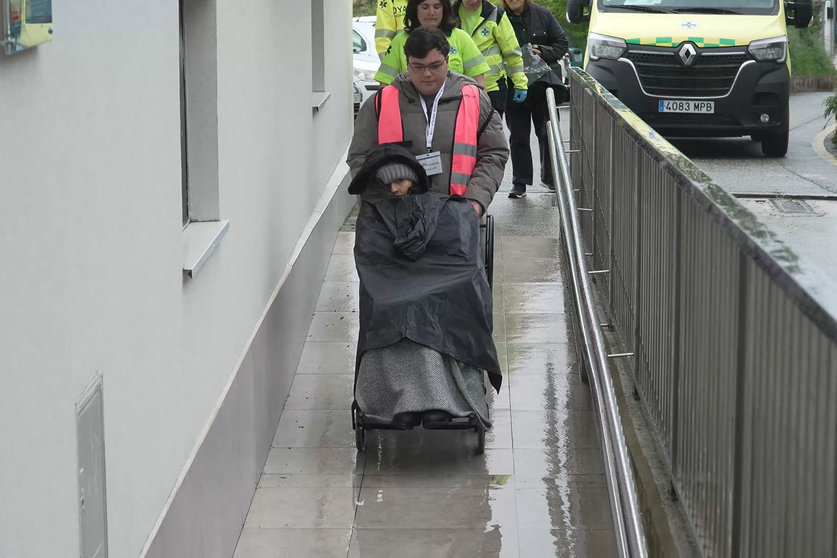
(819, 144)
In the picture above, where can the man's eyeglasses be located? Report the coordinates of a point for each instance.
(421, 68)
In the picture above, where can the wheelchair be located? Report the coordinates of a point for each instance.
(361, 423)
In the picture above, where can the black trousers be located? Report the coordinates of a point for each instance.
(498, 98)
(519, 118)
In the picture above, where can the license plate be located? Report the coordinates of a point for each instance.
(687, 105)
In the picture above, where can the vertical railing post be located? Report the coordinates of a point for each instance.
(637, 267)
(592, 192)
(740, 454)
(610, 218)
(674, 360)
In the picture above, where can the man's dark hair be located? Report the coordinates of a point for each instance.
(422, 40)
(506, 8)
(411, 21)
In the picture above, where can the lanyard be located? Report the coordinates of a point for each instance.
(431, 119)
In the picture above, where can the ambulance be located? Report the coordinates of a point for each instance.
(697, 68)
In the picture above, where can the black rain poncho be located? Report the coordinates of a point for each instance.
(419, 259)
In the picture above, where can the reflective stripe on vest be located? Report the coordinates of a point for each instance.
(389, 119)
(465, 140)
(464, 157)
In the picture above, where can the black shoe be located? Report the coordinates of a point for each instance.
(518, 191)
(406, 421)
(548, 185)
(435, 419)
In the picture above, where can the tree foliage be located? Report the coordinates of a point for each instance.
(830, 107)
(830, 112)
(576, 32)
(807, 52)
(363, 7)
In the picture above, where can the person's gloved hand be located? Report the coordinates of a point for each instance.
(519, 95)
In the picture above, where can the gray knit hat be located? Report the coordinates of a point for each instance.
(395, 171)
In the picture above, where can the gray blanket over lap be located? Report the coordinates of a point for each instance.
(419, 260)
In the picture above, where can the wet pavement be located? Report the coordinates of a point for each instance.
(539, 488)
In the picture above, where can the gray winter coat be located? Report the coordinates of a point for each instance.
(492, 145)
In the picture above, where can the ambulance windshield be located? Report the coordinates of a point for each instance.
(729, 7)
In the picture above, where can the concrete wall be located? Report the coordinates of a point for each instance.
(91, 254)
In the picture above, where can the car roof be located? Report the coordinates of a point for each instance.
(364, 28)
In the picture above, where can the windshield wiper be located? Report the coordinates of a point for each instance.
(639, 8)
(702, 10)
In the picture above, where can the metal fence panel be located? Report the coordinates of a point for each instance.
(703, 469)
(601, 196)
(790, 434)
(624, 242)
(655, 366)
(735, 359)
(589, 164)
(576, 122)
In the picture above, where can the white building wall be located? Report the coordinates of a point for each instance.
(829, 26)
(91, 248)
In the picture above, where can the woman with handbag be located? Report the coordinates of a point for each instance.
(534, 25)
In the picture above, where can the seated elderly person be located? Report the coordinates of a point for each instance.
(442, 118)
(425, 303)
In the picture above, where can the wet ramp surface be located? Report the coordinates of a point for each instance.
(539, 488)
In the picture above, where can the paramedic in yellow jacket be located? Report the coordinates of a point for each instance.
(389, 20)
(492, 32)
(464, 57)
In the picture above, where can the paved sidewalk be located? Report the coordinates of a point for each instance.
(538, 490)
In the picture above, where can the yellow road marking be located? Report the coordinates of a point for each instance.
(819, 147)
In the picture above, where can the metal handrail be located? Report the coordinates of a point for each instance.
(630, 535)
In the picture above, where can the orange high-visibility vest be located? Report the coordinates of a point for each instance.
(464, 158)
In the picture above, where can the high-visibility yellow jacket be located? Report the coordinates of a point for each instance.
(494, 36)
(389, 20)
(464, 57)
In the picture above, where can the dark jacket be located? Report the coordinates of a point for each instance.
(492, 145)
(419, 260)
(538, 26)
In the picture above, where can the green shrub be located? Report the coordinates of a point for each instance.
(576, 33)
(363, 7)
(808, 57)
(807, 53)
(831, 112)
(830, 106)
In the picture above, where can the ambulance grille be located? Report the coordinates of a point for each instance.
(661, 74)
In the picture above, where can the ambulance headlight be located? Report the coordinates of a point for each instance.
(602, 46)
(767, 50)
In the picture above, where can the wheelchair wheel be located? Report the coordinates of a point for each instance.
(480, 440)
(360, 438)
(582, 372)
(489, 250)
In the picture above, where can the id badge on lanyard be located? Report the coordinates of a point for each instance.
(432, 160)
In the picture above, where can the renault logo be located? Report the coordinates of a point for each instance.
(687, 53)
